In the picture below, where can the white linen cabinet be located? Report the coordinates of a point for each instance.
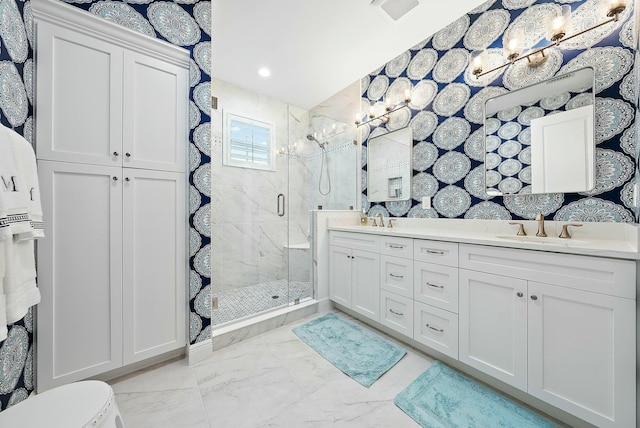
(111, 136)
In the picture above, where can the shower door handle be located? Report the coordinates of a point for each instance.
(281, 204)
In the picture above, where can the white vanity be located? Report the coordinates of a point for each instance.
(555, 319)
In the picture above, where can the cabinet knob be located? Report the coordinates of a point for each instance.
(115, 178)
(128, 155)
(116, 154)
(534, 297)
(127, 179)
(519, 294)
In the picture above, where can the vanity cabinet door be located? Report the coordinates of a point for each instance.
(582, 353)
(340, 275)
(493, 325)
(365, 293)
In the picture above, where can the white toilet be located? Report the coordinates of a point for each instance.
(77, 405)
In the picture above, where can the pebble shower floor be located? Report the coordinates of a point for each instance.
(251, 300)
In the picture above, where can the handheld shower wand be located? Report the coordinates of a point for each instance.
(323, 167)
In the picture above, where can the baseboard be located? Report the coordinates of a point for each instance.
(200, 351)
(245, 329)
(325, 305)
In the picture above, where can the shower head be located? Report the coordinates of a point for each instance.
(310, 137)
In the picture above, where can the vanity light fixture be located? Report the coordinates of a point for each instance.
(556, 32)
(388, 109)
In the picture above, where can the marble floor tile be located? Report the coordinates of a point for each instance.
(270, 380)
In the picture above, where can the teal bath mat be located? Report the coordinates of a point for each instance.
(357, 352)
(441, 397)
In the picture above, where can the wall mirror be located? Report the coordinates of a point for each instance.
(540, 139)
(389, 166)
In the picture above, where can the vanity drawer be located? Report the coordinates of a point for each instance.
(439, 252)
(597, 274)
(356, 241)
(436, 328)
(396, 275)
(395, 246)
(436, 285)
(396, 312)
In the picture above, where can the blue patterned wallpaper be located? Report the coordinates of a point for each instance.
(446, 112)
(185, 23)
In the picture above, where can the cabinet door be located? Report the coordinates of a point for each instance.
(340, 275)
(582, 353)
(74, 125)
(154, 261)
(365, 292)
(155, 113)
(493, 325)
(79, 273)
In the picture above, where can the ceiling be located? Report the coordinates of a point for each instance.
(315, 48)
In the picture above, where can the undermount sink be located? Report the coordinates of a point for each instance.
(566, 242)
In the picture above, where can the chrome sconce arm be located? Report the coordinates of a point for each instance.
(538, 56)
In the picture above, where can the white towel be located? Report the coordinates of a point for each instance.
(20, 288)
(25, 160)
(13, 196)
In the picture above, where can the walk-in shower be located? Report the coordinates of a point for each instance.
(261, 228)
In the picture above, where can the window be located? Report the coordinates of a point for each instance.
(248, 143)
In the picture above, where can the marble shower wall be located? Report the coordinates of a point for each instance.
(248, 236)
(332, 185)
(446, 111)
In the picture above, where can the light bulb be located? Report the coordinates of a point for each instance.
(372, 112)
(514, 45)
(407, 95)
(358, 116)
(558, 26)
(478, 58)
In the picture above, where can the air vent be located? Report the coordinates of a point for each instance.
(395, 9)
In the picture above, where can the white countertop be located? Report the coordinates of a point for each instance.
(614, 240)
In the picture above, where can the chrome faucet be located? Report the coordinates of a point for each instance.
(540, 220)
(379, 215)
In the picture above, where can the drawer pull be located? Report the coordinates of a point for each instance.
(396, 276)
(435, 252)
(397, 247)
(534, 297)
(434, 285)
(400, 314)
(439, 330)
(519, 294)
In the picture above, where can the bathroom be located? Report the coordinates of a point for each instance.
(613, 200)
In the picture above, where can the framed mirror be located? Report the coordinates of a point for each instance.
(389, 166)
(540, 139)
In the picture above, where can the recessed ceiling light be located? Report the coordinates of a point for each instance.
(264, 72)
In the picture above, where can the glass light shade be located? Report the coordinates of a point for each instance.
(514, 45)
(478, 59)
(559, 25)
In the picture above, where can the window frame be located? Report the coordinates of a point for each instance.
(227, 160)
